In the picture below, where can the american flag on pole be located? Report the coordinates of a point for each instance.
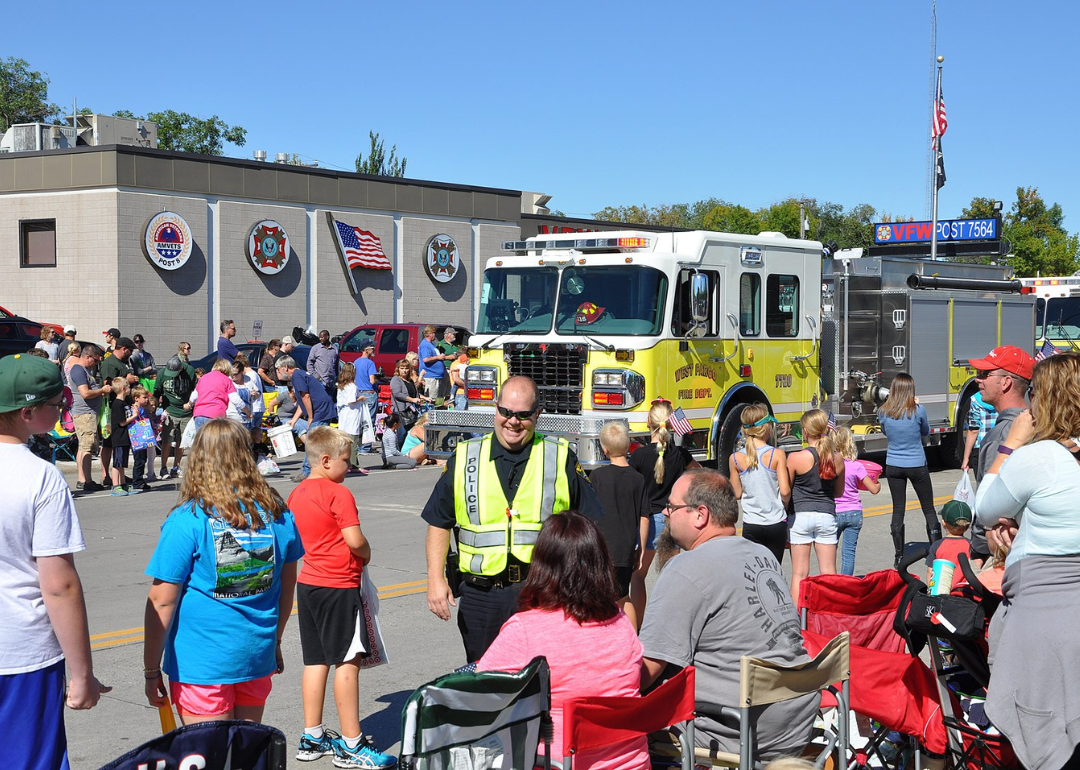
(1046, 351)
(939, 123)
(360, 248)
(832, 421)
(679, 423)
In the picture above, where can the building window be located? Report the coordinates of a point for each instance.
(750, 305)
(37, 243)
(782, 306)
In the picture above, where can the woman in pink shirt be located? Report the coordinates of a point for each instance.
(569, 613)
(211, 395)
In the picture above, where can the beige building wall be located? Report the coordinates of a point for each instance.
(246, 295)
(83, 287)
(425, 299)
(166, 306)
(335, 307)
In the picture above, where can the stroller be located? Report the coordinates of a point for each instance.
(953, 627)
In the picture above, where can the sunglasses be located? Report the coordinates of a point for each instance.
(660, 400)
(984, 374)
(523, 416)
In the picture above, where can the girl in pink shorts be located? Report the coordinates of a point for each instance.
(224, 575)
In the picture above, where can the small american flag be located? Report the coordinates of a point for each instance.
(832, 421)
(679, 423)
(1046, 351)
(361, 248)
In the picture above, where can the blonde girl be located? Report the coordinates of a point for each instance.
(660, 463)
(903, 421)
(759, 478)
(225, 571)
(414, 444)
(849, 514)
(817, 479)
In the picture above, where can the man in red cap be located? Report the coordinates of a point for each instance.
(1003, 378)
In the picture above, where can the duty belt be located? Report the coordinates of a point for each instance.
(514, 574)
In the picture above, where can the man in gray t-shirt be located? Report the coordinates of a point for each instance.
(722, 598)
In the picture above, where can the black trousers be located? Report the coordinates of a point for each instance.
(920, 480)
(138, 473)
(481, 613)
(772, 536)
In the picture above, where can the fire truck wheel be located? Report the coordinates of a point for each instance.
(729, 433)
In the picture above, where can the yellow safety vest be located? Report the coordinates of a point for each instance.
(490, 527)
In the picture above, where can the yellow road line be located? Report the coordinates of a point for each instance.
(104, 641)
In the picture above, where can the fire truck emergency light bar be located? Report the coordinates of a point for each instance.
(577, 243)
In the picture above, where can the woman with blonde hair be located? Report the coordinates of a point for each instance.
(903, 421)
(1027, 502)
(224, 575)
(817, 479)
(759, 478)
(660, 463)
(849, 514)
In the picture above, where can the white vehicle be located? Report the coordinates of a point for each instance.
(1057, 310)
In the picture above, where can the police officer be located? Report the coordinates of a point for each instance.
(497, 491)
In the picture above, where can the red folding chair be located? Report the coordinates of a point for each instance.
(596, 722)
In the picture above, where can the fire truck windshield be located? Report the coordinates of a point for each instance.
(1058, 318)
(581, 301)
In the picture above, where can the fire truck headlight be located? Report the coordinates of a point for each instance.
(617, 389)
(481, 374)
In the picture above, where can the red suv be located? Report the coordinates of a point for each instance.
(392, 342)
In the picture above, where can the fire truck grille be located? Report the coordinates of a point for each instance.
(558, 370)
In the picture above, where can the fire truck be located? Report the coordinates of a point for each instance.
(1057, 310)
(606, 323)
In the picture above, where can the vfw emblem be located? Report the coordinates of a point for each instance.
(442, 258)
(268, 247)
(884, 233)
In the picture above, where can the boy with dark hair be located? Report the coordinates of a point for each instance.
(331, 614)
(45, 613)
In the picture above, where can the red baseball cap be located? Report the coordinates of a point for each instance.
(1008, 357)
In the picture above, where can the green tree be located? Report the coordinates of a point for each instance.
(1039, 243)
(184, 132)
(729, 218)
(377, 163)
(24, 94)
(851, 229)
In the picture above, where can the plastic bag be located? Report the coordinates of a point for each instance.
(268, 467)
(964, 491)
(368, 436)
(375, 654)
(188, 438)
(104, 422)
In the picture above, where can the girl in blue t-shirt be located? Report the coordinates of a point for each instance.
(224, 575)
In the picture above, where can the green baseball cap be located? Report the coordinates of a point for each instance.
(27, 381)
(955, 511)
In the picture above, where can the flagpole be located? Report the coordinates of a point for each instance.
(937, 151)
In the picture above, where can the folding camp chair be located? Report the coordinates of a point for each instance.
(888, 685)
(763, 683)
(64, 444)
(478, 720)
(221, 745)
(593, 723)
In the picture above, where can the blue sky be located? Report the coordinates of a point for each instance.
(607, 104)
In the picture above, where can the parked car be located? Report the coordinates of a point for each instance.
(18, 334)
(5, 314)
(254, 352)
(392, 342)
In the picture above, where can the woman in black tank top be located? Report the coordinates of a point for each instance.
(817, 479)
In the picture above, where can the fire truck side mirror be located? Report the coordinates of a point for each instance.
(699, 298)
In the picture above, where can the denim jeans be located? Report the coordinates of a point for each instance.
(848, 526)
(305, 471)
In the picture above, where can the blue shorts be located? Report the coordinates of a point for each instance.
(657, 522)
(32, 719)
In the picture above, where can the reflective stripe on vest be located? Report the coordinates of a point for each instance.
(487, 532)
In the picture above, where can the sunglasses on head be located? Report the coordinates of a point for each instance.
(660, 400)
(523, 416)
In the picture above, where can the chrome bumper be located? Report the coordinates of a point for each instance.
(446, 427)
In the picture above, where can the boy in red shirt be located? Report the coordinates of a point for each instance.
(955, 519)
(332, 627)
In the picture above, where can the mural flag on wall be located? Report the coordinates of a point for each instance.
(358, 248)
